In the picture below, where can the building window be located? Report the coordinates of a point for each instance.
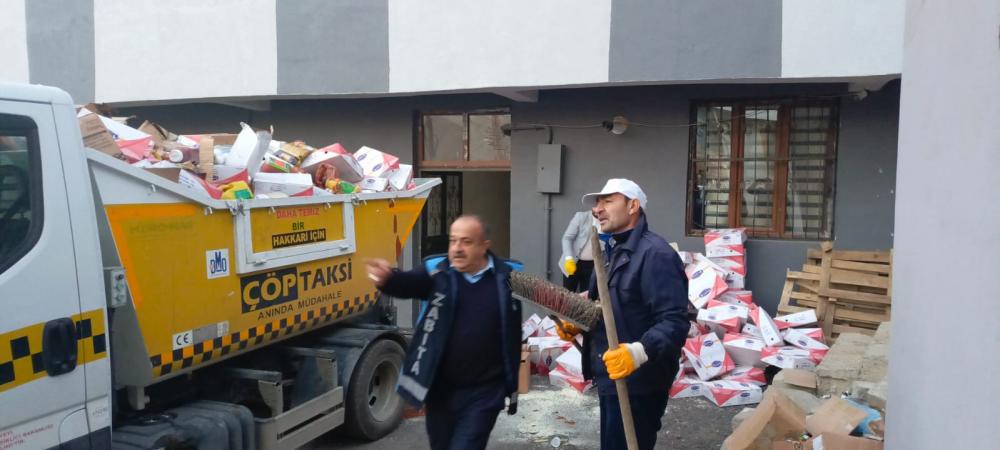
(464, 140)
(764, 165)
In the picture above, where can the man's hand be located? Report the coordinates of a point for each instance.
(379, 271)
(624, 360)
(566, 330)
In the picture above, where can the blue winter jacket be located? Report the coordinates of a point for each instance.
(648, 291)
(436, 282)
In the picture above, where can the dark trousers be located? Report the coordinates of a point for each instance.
(462, 418)
(579, 281)
(647, 410)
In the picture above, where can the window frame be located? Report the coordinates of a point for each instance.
(781, 160)
(426, 164)
(36, 204)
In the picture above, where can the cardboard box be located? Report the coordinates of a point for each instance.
(801, 340)
(561, 378)
(347, 168)
(207, 144)
(787, 357)
(747, 374)
(687, 386)
(708, 356)
(774, 419)
(737, 297)
(731, 264)
(96, 135)
(530, 326)
(374, 162)
(751, 330)
(400, 179)
(735, 280)
(799, 319)
(547, 327)
(800, 378)
(545, 351)
(741, 310)
(704, 283)
(290, 184)
(841, 442)
(730, 393)
(835, 416)
(768, 329)
(720, 320)
(744, 349)
(815, 333)
(524, 372)
(571, 361)
(725, 236)
(686, 257)
(312, 162)
(374, 184)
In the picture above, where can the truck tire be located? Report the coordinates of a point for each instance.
(373, 407)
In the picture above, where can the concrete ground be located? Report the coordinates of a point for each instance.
(550, 417)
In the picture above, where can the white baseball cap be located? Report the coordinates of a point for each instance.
(628, 188)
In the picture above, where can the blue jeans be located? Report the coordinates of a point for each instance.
(647, 410)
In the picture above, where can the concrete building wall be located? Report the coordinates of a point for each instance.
(946, 221)
(657, 159)
(143, 51)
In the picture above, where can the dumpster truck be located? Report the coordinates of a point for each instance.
(138, 313)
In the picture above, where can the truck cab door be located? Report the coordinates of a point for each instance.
(45, 337)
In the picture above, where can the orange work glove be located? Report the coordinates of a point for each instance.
(566, 330)
(624, 360)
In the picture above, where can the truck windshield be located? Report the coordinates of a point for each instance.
(20, 188)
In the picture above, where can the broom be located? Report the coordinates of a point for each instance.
(561, 303)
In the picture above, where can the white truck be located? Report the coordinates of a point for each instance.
(139, 313)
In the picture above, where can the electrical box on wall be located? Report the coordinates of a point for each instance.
(550, 168)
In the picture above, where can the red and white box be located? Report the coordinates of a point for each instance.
(704, 283)
(560, 377)
(744, 349)
(547, 327)
(708, 356)
(401, 178)
(725, 242)
(731, 264)
(802, 340)
(730, 393)
(789, 357)
(374, 184)
(747, 374)
(752, 330)
(571, 361)
(815, 333)
(687, 386)
(722, 318)
(317, 157)
(545, 351)
(374, 162)
(686, 257)
(740, 310)
(529, 328)
(289, 184)
(768, 329)
(735, 280)
(799, 319)
(736, 297)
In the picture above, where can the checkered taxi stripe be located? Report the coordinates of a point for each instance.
(183, 358)
(21, 359)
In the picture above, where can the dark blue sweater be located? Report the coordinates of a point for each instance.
(473, 355)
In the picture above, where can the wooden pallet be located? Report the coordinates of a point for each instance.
(851, 291)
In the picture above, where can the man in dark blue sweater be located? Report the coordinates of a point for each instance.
(648, 290)
(463, 360)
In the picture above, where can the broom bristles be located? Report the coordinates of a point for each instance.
(558, 300)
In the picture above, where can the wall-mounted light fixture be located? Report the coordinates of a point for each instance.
(617, 125)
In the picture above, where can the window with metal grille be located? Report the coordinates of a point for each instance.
(765, 165)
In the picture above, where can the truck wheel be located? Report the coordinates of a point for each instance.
(373, 407)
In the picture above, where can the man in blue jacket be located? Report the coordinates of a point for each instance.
(466, 347)
(648, 290)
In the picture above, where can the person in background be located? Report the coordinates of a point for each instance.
(577, 260)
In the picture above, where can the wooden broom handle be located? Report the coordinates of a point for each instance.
(609, 325)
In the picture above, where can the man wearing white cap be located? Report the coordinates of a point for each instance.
(648, 291)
